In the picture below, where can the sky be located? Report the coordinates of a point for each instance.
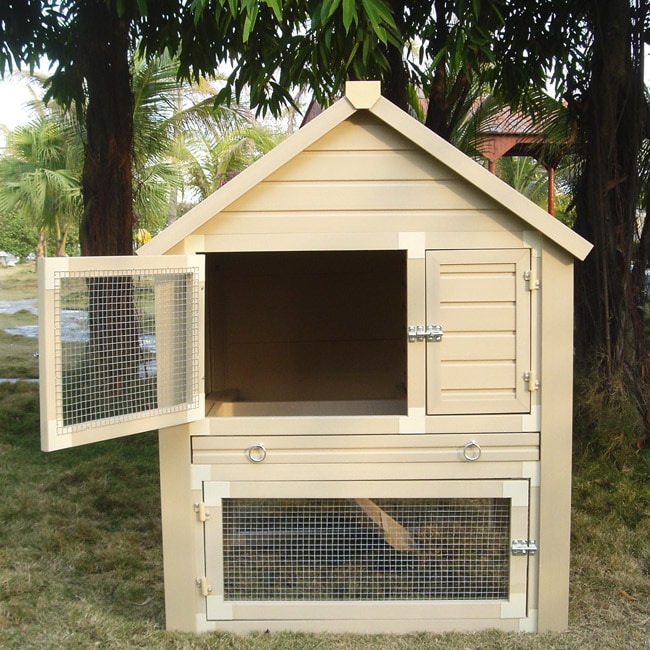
(14, 95)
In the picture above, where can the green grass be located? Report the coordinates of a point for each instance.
(18, 353)
(18, 282)
(81, 559)
(18, 356)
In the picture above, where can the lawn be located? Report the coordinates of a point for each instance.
(81, 557)
(18, 282)
(19, 353)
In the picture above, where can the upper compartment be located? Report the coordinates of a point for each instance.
(319, 258)
(306, 333)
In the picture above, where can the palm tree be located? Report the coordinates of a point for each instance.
(182, 142)
(215, 156)
(40, 174)
(526, 175)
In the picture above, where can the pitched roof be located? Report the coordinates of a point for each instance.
(366, 95)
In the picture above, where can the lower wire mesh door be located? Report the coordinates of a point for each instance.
(357, 550)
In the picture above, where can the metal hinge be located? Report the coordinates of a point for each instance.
(523, 547)
(203, 514)
(430, 333)
(204, 586)
(532, 279)
(531, 378)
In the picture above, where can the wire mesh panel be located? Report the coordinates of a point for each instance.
(366, 549)
(128, 344)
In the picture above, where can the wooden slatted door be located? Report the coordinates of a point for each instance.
(481, 300)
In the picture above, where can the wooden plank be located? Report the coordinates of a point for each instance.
(351, 165)
(360, 134)
(478, 287)
(478, 376)
(182, 552)
(301, 241)
(386, 472)
(342, 489)
(363, 195)
(478, 318)
(324, 220)
(379, 442)
(371, 457)
(383, 625)
(489, 346)
(349, 610)
(555, 479)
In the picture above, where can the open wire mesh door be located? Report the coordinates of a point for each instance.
(120, 346)
(338, 551)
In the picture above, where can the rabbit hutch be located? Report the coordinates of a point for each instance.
(358, 354)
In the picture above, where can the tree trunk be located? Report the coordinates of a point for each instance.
(61, 240)
(107, 223)
(609, 297)
(41, 243)
(395, 80)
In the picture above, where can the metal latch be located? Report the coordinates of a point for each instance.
(531, 379)
(532, 279)
(200, 510)
(523, 547)
(204, 586)
(430, 333)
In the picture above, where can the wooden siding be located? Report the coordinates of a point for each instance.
(359, 186)
(362, 166)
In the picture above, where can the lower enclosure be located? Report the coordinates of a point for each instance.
(366, 555)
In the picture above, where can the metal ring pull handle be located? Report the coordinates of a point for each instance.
(472, 451)
(256, 453)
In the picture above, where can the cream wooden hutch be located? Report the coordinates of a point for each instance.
(359, 356)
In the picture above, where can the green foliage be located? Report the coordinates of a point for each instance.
(213, 157)
(183, 142)
(316, 44)
(40, 175)
(156, 91)
(17, 236)
(526, 175)
(23, 24)
(175, 126)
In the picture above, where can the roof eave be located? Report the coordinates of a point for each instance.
(482, 179)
